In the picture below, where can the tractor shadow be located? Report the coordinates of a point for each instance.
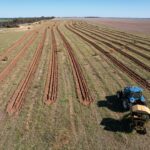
(114, 125)
(110, 124)
(112, 103)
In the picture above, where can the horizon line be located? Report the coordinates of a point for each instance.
(75, 17)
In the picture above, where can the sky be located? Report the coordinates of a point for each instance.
(78, 8)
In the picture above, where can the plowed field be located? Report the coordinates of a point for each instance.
(58, 85)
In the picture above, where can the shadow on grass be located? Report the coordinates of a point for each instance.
(114, 125)
(111, 103)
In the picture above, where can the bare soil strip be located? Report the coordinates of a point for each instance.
(115, 40)
(80, 81)
(128, 35)
(139, 63)
(7, 51)
(119, 64)
(7, 70)
(51, 87)
(127, 44)
(116, 36)
(17, 98)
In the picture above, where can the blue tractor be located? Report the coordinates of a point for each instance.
(132, 99)
(130, 96)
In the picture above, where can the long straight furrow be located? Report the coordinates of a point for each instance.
(17, 98)
(137, 78)
(80, 81)
(110, 36)
(15, 60)
(115, 41)
(117, 36)
(13, 46)
(127, 36)
(139, 63)
(51, 87)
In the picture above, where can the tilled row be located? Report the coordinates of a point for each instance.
(13, 46)
(137, 78)
(135, 60)
(115, 40)
(80, 81)
(7, 70)
(17, 98)
(51, 87)
(127, 36)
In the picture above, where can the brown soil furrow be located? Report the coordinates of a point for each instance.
(17, 98)
(15, 60)
(117, 42)
(81, 85)
(117, 37)
(139, 63)
(52, 78)
(12, 47)
(119, 64)
(127, 36)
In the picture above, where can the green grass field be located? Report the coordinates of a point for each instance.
(67, 124)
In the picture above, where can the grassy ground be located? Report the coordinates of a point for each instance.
(8, 38)
(67, 124)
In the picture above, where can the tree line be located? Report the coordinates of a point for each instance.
(14, 22)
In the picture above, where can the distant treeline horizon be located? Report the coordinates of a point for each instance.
(15, 22)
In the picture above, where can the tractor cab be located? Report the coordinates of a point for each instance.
(134, 95)
(130, 96)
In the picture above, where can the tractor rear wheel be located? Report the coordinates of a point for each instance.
(142, 131)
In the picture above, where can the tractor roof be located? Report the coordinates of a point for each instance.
(133, 89)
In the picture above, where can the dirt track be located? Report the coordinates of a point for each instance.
(13, 46)
(124, 68)
(81, 85)
(51, 88)
(118, 41)
(139, 26)
(147, 68)
(7, 70)
(16, 100)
